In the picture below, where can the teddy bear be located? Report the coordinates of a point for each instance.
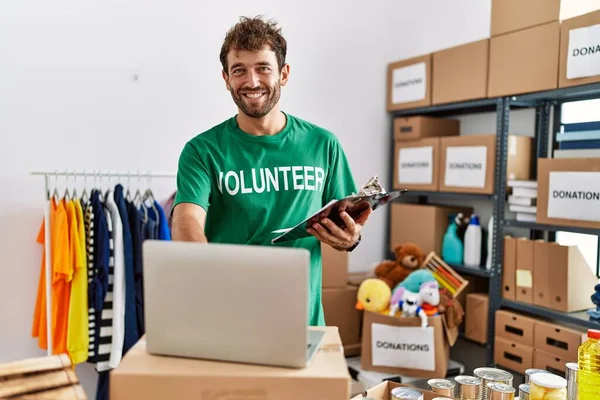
(409, 257)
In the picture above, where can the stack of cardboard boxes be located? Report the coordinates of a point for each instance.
(530, 50)
(522, 343)
(339, 300)
(430, 155)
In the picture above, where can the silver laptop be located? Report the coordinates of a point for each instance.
(232, 303)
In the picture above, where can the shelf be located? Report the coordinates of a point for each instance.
(474, 106)
(552, 228)
(463, 269)
(450, 195)
(574, 93)
(577, 318)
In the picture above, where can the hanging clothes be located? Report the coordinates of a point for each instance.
(118, 311)
(131, 327)
(77, 330)
(137, 227)
(89, 240)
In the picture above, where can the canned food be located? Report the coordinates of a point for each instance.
(441, 386)
(531, 371)
(524, 391)
(548, 386)
(489, 375)
(403, 393)
(500, 391)
(571, 376)
(467, 387)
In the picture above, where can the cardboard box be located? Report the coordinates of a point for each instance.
(571, 280)
(352, 350)
(524, 277)
(558, 340)
(467, 162)
(514, 356)
(579, 53)
(400, 346)
(409, 83)
(383, 391)
(525, 61)
(339, 307)
(335, 267)
(144, 376)
(476, 317)
(509, 269)
(542, 274)
(514, 15)
(515, 328)
(550, 363)
(424, 225)
(461, 73)
(417, 164)
(421, 127)
(569, 192)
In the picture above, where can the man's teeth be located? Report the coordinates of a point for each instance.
(254, 95)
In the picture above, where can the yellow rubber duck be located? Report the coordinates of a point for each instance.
(374, 295)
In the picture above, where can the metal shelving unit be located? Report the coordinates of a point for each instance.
(548, 116)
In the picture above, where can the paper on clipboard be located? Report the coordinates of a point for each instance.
(371, 196)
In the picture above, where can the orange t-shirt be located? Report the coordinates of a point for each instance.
(62, 273)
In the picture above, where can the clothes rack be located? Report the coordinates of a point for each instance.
(148, 175)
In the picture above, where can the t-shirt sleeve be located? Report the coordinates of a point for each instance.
(340, 181)
(193, 179)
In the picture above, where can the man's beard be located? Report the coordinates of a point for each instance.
(269, 100)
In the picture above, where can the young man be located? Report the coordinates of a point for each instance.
(263, 169)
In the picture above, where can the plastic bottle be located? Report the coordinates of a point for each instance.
(490, 238)
(588, 376)
(472, 256)
(452, 246)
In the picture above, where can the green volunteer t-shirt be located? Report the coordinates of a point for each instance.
(252, 185)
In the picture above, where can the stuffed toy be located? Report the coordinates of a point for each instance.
(409, 257)
(373, 295)
(451, 308)
(410, 303)
(416, 279)
(430, 294)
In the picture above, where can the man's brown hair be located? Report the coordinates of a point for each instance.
(253, 34)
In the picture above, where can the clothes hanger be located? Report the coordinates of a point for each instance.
(84, 195)
(74, 194)
(55, 194)
(128, 192)
(67, 195)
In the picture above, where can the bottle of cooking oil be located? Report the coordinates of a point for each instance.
(588, 378)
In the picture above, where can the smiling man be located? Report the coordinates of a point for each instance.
(263, 169)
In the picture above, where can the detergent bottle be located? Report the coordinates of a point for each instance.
(473, 236)
(452, 246)
(588, 376)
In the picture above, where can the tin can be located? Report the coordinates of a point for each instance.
(500, 391)
(524, 391)
(468, 387)
(571, 377)
(403, 393)
(531, 371)
(441, 386)
(492, 375)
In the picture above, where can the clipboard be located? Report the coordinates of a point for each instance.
(354, 205)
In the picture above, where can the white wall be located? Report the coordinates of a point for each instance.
(123, 84)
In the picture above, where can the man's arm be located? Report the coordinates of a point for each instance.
(188, 223)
